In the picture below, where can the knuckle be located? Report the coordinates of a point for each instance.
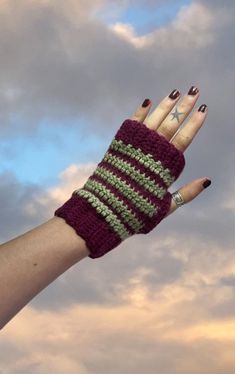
(165, 131)
(177, 144)
(135, 118)
(183, 107)
(183, 140)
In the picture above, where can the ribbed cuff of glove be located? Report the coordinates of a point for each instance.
(127, 193)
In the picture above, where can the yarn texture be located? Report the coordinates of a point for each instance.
(128, 192)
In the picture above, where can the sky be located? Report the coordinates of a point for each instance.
(70, 73)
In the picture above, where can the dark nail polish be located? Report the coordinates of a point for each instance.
(193, 91)
(174, 94)
(202, 108)
(206, 183)
(146, 103)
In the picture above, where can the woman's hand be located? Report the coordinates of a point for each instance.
(127, 193)
(166, 120)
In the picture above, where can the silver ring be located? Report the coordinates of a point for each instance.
(178, 198)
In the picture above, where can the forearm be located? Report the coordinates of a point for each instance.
(30, 262)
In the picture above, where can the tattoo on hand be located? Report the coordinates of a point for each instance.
(176, 115)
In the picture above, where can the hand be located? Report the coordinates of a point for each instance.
(128, 193)
(166, 120)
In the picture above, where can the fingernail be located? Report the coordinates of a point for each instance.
(206, 183)
(202, 108)
(174, 94)
(146, 103)
(193, 91)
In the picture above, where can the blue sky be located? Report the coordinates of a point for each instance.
(144, 19)
(39, 158)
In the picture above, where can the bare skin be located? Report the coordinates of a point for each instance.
(31, 261)
(161, 121)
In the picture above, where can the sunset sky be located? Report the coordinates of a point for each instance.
(70, 73)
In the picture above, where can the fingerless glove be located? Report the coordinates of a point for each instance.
(127, 193)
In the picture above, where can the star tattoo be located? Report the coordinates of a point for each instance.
(176, 114)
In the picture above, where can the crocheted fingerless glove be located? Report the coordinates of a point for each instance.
(127, 193)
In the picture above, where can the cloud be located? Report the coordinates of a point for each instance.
(54, 80)
(195, 24)
(129, 339)
(127, 32)
(162, 302)
(19, 207)
(103, 85)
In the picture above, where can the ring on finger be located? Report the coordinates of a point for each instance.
(178, 198)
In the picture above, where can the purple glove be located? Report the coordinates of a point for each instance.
(127, 193)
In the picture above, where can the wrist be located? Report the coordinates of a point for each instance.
(69, 239)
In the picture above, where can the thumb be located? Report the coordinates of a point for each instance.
(189, 191)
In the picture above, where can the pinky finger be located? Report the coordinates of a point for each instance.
(189, 192)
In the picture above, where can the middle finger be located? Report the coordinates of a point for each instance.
(174, 119)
